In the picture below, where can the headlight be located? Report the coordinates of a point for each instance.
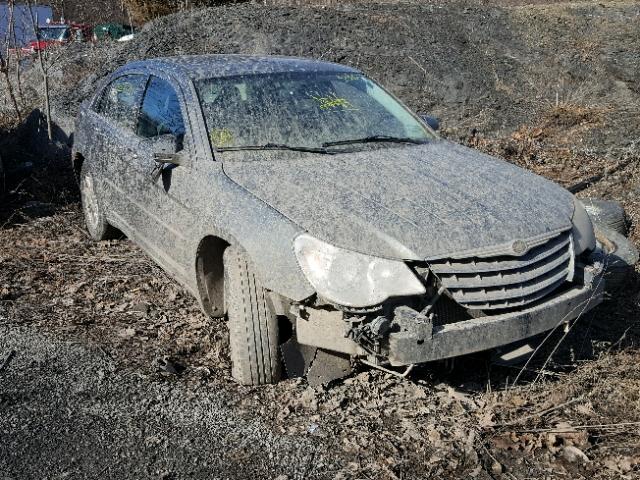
(353, 279)
(583, 237)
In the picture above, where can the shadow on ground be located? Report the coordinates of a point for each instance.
(612, 326)
(37, 179)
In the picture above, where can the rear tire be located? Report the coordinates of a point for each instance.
(95, 219)
(253, 326)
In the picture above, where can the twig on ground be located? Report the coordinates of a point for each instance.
(584, 304)
(568, 329)
(5, 363)
(561, 322)
(584, 184)
(573, 428)
(541, 412)
(622, 337)
(417, 64)
(532, 370)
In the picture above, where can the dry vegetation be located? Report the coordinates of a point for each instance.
(145, 10)
(576, 416)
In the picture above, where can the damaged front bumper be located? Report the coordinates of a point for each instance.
(425, 342)
(412, 338)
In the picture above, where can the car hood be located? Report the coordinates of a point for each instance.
(430, 201)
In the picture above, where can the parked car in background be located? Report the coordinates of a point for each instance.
(305, 203)
(22, 22)
(58, 33)
(111, 31)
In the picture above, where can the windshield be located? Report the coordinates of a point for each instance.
(54, 33)
(304, 110)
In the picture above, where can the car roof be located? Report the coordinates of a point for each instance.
(214, 66)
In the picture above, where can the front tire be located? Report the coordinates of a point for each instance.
(608, 213)
(95, 219)
(620, 258)
(253, 326)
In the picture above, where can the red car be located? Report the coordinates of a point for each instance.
(58, 34)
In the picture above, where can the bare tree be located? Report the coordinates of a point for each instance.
(43, 68)
(124, 6)
(13, 38)
(5, 61)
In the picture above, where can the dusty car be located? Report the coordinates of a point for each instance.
(325, 220)
(111, 31)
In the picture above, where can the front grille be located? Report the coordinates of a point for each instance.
(507, 281)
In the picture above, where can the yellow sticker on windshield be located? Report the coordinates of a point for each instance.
(221, 137)
(332, 101)
(124, 88)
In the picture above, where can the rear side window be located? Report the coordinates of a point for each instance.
(160, 113)
(120, 101)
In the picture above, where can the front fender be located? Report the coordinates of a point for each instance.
(240, 218)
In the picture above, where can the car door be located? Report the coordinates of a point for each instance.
(164, 199)
(116, 146)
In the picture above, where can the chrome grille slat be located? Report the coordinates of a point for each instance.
(512, 291)
(507, 281)
(530, 272)
(515, 302)
(501, 263)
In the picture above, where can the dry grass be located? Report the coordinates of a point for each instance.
(145, 10)
(7, 121)
(569, 114)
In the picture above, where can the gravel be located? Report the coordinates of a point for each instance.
(69, 410)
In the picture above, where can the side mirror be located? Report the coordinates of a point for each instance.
(166, 151)
(433, 122)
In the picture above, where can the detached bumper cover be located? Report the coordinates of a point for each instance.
(423, 342)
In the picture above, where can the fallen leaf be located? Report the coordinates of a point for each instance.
(574, 454)
(127, 333)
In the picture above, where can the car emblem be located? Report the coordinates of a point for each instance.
(519, 247)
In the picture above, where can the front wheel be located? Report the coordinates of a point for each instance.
(607, 213)
(95, 219)
(621, 255)
(253, 326)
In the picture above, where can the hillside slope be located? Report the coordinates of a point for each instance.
(485, 68)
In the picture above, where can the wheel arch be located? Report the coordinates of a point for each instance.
(210, 274)
(77, 160)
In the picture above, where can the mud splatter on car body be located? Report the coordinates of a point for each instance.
(459, 251)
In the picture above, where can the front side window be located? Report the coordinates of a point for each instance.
(160, 113)
(310, 110)
(54, 34)
(120, 101)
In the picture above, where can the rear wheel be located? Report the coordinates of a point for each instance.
(253, 326)
(95, 220)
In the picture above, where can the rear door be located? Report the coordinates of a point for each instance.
(117, 146)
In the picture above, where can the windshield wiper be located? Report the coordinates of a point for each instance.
(276, 146)
(373, 139)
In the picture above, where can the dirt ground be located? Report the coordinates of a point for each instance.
(109, 370)
(86, 394)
